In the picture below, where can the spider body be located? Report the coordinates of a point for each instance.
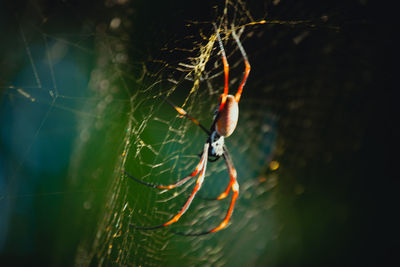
(225, 121)
(228, 117)
(216, 148)
(224, 124)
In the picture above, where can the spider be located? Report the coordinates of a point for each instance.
(225, 121)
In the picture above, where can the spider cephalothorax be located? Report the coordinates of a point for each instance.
(217, 143)
(225, 121)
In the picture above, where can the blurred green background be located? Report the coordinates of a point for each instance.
(78, 104)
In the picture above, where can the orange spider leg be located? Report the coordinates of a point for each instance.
(222, 195)
(199, 183)
(171, 186)
(247, 66)
(185, 207)
(227, 190)
(224, 223)
(226, 70)
(184, 113)
(232, 175)
(235, 189)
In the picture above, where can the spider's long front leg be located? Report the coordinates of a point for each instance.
(226, 69)
(185, 207)
(247, 68)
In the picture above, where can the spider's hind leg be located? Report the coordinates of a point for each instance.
(180, 182)
(185, 207)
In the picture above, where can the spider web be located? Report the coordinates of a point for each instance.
(159, 146)
(89, 105)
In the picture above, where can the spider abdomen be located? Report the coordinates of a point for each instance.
(227, 117)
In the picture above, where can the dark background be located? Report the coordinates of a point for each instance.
(338, 144)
